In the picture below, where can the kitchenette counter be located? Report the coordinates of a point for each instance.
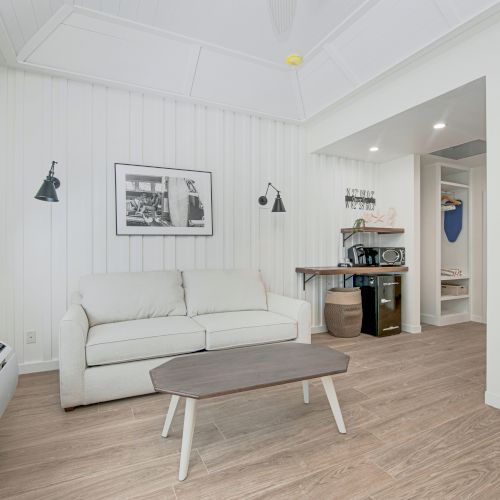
(335, 270)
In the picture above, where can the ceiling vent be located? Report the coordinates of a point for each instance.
(466, 150)
(282, 14)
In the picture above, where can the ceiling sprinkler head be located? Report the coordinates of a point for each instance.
(294, 60)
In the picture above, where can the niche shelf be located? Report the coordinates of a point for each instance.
(437, 252)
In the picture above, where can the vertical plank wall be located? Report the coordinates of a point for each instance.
(46, 247)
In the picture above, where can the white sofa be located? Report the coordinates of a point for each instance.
(123, 324)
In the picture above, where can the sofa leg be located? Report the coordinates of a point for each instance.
(69, 408)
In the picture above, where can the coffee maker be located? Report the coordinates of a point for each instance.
(356, 255)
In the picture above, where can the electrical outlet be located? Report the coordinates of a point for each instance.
(31, 337)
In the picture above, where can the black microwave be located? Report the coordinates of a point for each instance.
(385, 256)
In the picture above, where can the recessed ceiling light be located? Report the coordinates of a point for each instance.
(439, 125)
(373, 149)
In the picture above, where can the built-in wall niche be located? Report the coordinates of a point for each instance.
(442, 306)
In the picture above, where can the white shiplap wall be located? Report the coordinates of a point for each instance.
(47, 247)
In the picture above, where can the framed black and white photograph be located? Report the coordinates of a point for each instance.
(162, 201)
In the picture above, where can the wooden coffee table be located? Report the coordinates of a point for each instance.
(215, 373)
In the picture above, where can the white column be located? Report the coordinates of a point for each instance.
(492, 395)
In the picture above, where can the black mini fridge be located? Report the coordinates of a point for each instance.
(381, 298)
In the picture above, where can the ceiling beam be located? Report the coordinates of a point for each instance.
(44, 32)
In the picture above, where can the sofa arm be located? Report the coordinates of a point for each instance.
(73, 331)
(299, 310)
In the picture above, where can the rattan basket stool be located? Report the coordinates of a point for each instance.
(343, 312)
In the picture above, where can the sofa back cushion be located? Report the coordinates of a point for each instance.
(108, 298)
(213, 291)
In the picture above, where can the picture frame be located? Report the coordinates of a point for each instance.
(162, 201)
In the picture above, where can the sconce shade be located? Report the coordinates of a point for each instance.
(47, 191)
(278, 202)
(278, 205)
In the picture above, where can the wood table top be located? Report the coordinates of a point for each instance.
(351, 270)
(215, 373)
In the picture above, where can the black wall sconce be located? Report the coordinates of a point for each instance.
(278, 202)
(47, 191)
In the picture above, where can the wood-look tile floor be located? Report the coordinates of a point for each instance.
(413, 406)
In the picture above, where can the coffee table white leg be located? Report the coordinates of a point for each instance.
(170, 414)
(187, 437)
(305, 390)
(334, 402)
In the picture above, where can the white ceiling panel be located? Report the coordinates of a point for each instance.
(111, 7)
(23, 18)
(116, 53)
(387, 34)
(227, 79)
(154, 44)
(466, 9)
(239, 25)
(322, 82)
(411, 132)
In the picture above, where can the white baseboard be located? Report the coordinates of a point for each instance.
(319, 329)
(411, 328)
(39, 366)
(492, 399)
(429, 319)
(477, 319)
(448, 319)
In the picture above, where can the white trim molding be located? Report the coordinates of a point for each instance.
(319, 329)
(39, 366)
(407, 328)
(492, 399)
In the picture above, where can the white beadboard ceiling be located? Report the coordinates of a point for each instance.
(226, 52)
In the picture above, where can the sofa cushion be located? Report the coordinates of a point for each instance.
(213, 291)
(142, 339)
(235, 329)
(108, 298)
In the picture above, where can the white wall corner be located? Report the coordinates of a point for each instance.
(492, 399)
(477, 319)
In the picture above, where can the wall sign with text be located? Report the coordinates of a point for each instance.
(360, 199)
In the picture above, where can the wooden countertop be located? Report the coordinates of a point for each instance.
(325, 271)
